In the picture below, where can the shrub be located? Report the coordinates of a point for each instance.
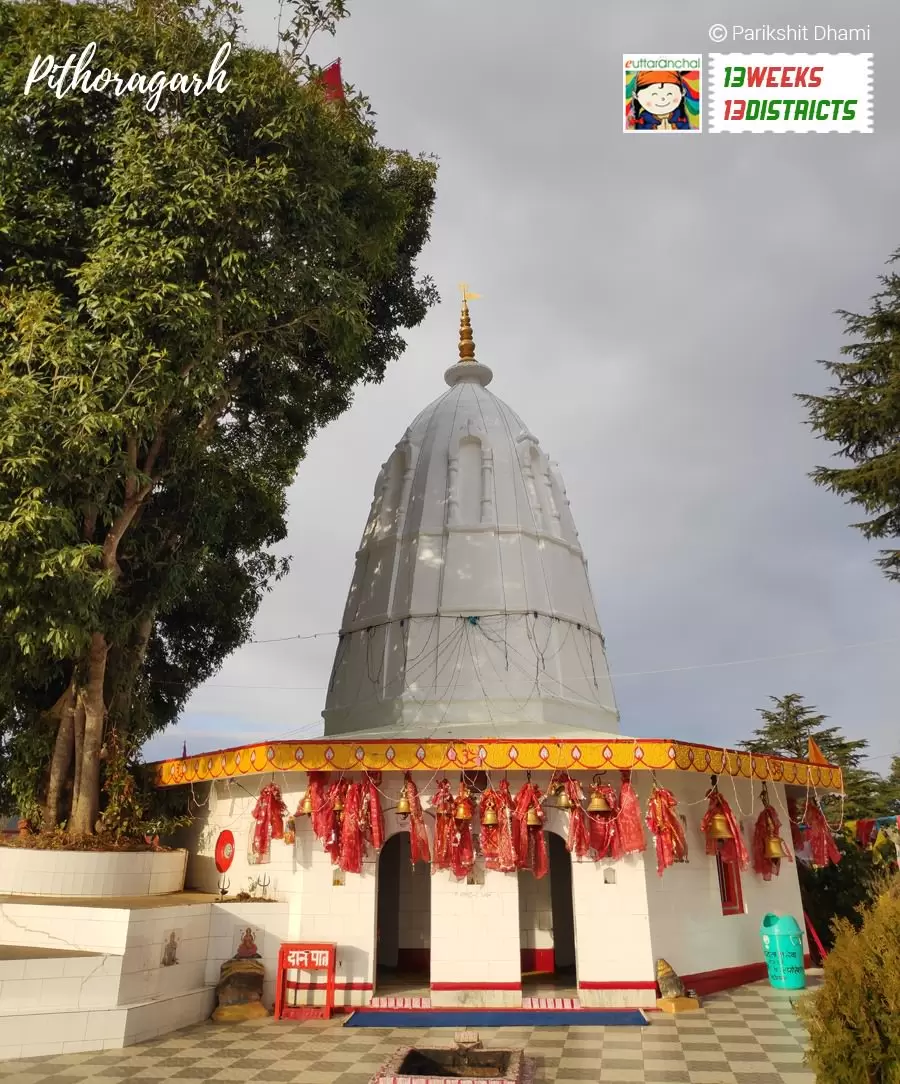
(854, 1017)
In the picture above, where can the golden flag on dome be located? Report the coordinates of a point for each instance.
(467, 295)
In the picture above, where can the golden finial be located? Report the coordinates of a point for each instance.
(466, 343)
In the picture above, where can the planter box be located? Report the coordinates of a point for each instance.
(90, 874)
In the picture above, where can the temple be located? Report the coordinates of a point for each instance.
(472, 828)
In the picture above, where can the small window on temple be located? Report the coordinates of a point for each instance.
(730, 886)
(609, 876)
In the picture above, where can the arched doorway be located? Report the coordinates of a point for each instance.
(403, 930)
(547, 926)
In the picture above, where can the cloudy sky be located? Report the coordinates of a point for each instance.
(649, 307)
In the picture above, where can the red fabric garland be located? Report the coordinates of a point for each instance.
(506, 861)
(419, 850)
(578, 842)
(603, 827)
(821, 841)
(629, 829)
(667, 829)
(269, 813)
(767, 827)
(731, 850)
(530, 843)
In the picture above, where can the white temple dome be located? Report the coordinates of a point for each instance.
(470, 614)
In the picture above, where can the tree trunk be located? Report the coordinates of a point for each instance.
(61, 759)
(79, 748)
(129, 666)
(87, 806)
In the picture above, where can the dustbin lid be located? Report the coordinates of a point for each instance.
(780, 924)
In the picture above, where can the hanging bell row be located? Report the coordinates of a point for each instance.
(490, 817)
(403, 807)
(306, 808)
(532, 819)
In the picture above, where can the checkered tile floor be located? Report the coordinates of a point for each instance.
(747, 1036)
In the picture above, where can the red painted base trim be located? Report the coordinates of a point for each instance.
(476, 986)
(542, 960)
(726, 978)
(648, 985)
(321, 985)
(414, 961)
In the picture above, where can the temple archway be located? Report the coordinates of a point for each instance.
(547, 926)
(403, 923)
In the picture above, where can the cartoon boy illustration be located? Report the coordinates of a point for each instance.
(658, 102)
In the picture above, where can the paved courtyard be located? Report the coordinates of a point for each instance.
(746, 1036)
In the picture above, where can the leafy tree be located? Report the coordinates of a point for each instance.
(186, 296)
(861, 414)
(786, 731)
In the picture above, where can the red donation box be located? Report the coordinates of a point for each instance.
(296, 959)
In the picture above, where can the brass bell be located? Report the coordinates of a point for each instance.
(774, 848)
(403, 806)
(719, 829)
(598, 804)
(462, 812)
(532, 819)
(307, 807)
(563, 801)
(490, 817)
(338, 806)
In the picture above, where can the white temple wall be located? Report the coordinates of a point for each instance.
(475, 940)
(688, 927)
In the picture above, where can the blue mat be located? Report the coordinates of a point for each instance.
(495, 1018)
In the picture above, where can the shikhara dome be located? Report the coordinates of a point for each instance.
(470, 614)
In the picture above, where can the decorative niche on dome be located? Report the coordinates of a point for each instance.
(396, 478)
(537, 472)
(470, 498)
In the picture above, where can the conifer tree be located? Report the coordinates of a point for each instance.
(861, 414)
(786, 732)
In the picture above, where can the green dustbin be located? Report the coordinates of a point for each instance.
(782, 942)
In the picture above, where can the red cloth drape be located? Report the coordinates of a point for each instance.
(321, 814)
(667, 829)
(767, 827)
(351, 835)
(489, 834)
(602, 827)
(419, 850)
(506, 861)
(821, 841)
(530, 843)
(336, 792)
(629, 829)
(462, 850)
(269, 813)
(442, 804)
(731, 850)
(578, 842)
(372, 815)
